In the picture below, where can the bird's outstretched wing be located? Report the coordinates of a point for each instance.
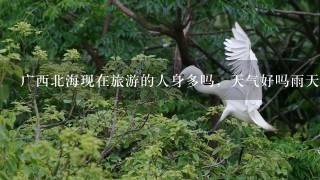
(243, 60)
(245, 65)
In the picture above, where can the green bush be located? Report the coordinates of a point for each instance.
(139, 132)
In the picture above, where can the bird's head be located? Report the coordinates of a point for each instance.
(191, 70)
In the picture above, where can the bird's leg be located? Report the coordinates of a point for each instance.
(214, 127)
(239, 125)
(241, 136)
(240, 155)
(224, 114)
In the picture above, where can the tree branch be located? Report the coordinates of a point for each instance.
(282, 116)
(182, 40)
(127, 132)
(37, 116)
(98, 60)
(177, 64)
(307, 26)
(175, 32)
(217, 32)
(275, 50)
(294, 73)
(316, 137)
(147, 48)
(194, 44)
(319, 25)
(107, 20)
(292, 17)
(314, 105)
(131, 126)
(142, 21)
(66, 120)
(53, 124)
(35, 105)
(287, 12)
(114, 123)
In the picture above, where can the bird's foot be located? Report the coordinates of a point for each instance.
(211, 131)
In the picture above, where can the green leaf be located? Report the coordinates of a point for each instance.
(14, 56)
(195, 156)
(11, 164)
(2, 51)
(183, 160)
(11, 120)
(67, 101)
(4, 93)
(17, 70)
(4, 176)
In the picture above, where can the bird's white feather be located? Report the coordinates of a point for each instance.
(239, 52)
(244, 63)
(258, 119)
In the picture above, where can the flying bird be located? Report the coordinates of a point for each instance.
(241, 96)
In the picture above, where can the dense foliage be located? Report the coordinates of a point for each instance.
(89, 127)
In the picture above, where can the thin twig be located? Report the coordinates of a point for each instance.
(210, 57)
(316, 137)
(275, 50)
(114, 123)
(53, 124)
(29, 104)
(282, 116)
(294, 73)
(216, 164)
(142, 21)
(37, 116)
(127, 132)
(306, 24)
(216, 32)
(147, 48)
(130, 130)
(35, 107)
(45, 126)
(278, 54)
(292, 17)
(200, 21)
(59, 161)
(287, 12)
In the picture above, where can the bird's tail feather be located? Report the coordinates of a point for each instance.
(258, 119)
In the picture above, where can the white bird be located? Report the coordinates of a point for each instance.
(241, 101)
